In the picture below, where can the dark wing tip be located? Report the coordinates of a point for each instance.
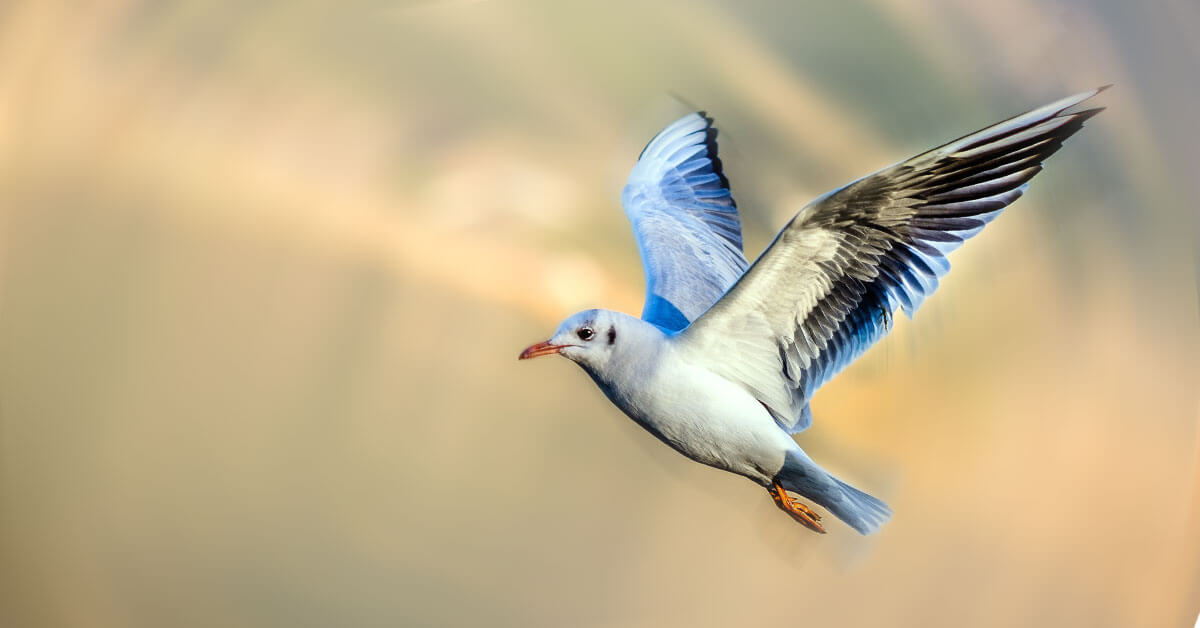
(1077, 118)
(1081, 116)
(710, 144)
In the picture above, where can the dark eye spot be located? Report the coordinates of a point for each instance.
(585, 333)
(612, 335)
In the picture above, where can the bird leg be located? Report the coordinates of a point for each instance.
(798, 511)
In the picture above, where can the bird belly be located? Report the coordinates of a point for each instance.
(712, 421)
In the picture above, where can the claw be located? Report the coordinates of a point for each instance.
(808, 511)
(798, 511)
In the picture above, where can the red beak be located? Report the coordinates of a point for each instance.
(540, 349)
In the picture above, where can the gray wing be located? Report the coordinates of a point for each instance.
(685, 222)
(827, 287)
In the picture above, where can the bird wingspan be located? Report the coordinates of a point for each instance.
(825, 290)
(685, 221)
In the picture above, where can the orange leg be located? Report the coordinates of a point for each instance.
(798, 511)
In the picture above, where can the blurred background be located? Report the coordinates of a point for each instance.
(265, 270)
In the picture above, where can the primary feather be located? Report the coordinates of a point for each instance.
(826, 288)
(685, 221)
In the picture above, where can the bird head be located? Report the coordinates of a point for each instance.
(587, 338)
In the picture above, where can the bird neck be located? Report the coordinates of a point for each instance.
(636, 352)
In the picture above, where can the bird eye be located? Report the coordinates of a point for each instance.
(585, 333)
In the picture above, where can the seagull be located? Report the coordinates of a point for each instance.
(726, 356)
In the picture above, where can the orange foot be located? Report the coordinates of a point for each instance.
(798, 511)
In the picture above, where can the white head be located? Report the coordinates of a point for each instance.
(588, 338)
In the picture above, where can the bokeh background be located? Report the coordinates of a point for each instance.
(266, 268)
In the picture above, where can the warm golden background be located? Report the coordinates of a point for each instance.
(266, 268)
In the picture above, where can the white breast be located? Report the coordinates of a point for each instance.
(709, 419)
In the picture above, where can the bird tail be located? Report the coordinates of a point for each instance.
(859, 510)
(856, 508)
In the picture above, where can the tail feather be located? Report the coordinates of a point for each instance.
(856, 508)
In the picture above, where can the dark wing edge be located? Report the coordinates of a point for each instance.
(881, 246)
(894, 252)
(685, 221)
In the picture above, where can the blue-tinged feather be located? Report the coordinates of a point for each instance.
(685, 221)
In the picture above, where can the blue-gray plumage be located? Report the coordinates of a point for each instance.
(725, 359)
(686, 223)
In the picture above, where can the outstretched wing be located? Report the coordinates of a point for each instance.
(824, 291)
(685, 222)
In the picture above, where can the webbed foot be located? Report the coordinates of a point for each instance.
(798, 511)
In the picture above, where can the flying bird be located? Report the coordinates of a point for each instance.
(726, 355)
